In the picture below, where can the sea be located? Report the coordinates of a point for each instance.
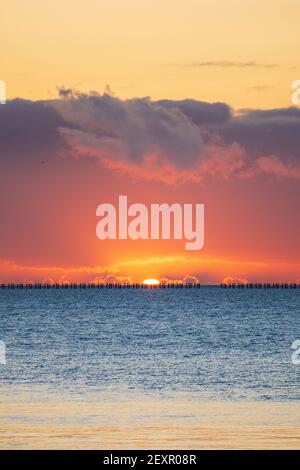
(216, 343)
(190, 349)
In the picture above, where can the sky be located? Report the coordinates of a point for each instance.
(170, 48)
(185, 102)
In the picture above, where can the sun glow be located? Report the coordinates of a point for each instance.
(151, 282)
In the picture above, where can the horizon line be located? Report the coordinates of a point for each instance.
(138, 285)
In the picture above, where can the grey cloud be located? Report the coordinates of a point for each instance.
(271, 132)
(185, 131)
(29, 129)
(199, 112)
(231, 64)
(192, 136)
(136, 128)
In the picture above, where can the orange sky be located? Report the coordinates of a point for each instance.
(62, 156)
(244, 53)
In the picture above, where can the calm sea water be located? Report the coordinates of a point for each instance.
(210, 342)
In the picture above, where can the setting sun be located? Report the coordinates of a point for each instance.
(151, 282)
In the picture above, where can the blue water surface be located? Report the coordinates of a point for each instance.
(210, 342)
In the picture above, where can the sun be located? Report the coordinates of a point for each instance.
(151, 282)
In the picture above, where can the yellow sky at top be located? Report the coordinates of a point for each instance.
(153, 48)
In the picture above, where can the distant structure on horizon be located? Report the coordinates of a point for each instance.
(170, 285)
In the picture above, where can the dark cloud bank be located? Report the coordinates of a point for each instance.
(180, 140)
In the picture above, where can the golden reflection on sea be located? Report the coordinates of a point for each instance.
(147, 423)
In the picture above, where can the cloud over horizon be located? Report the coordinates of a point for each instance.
(178, 141)
(166, 140)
